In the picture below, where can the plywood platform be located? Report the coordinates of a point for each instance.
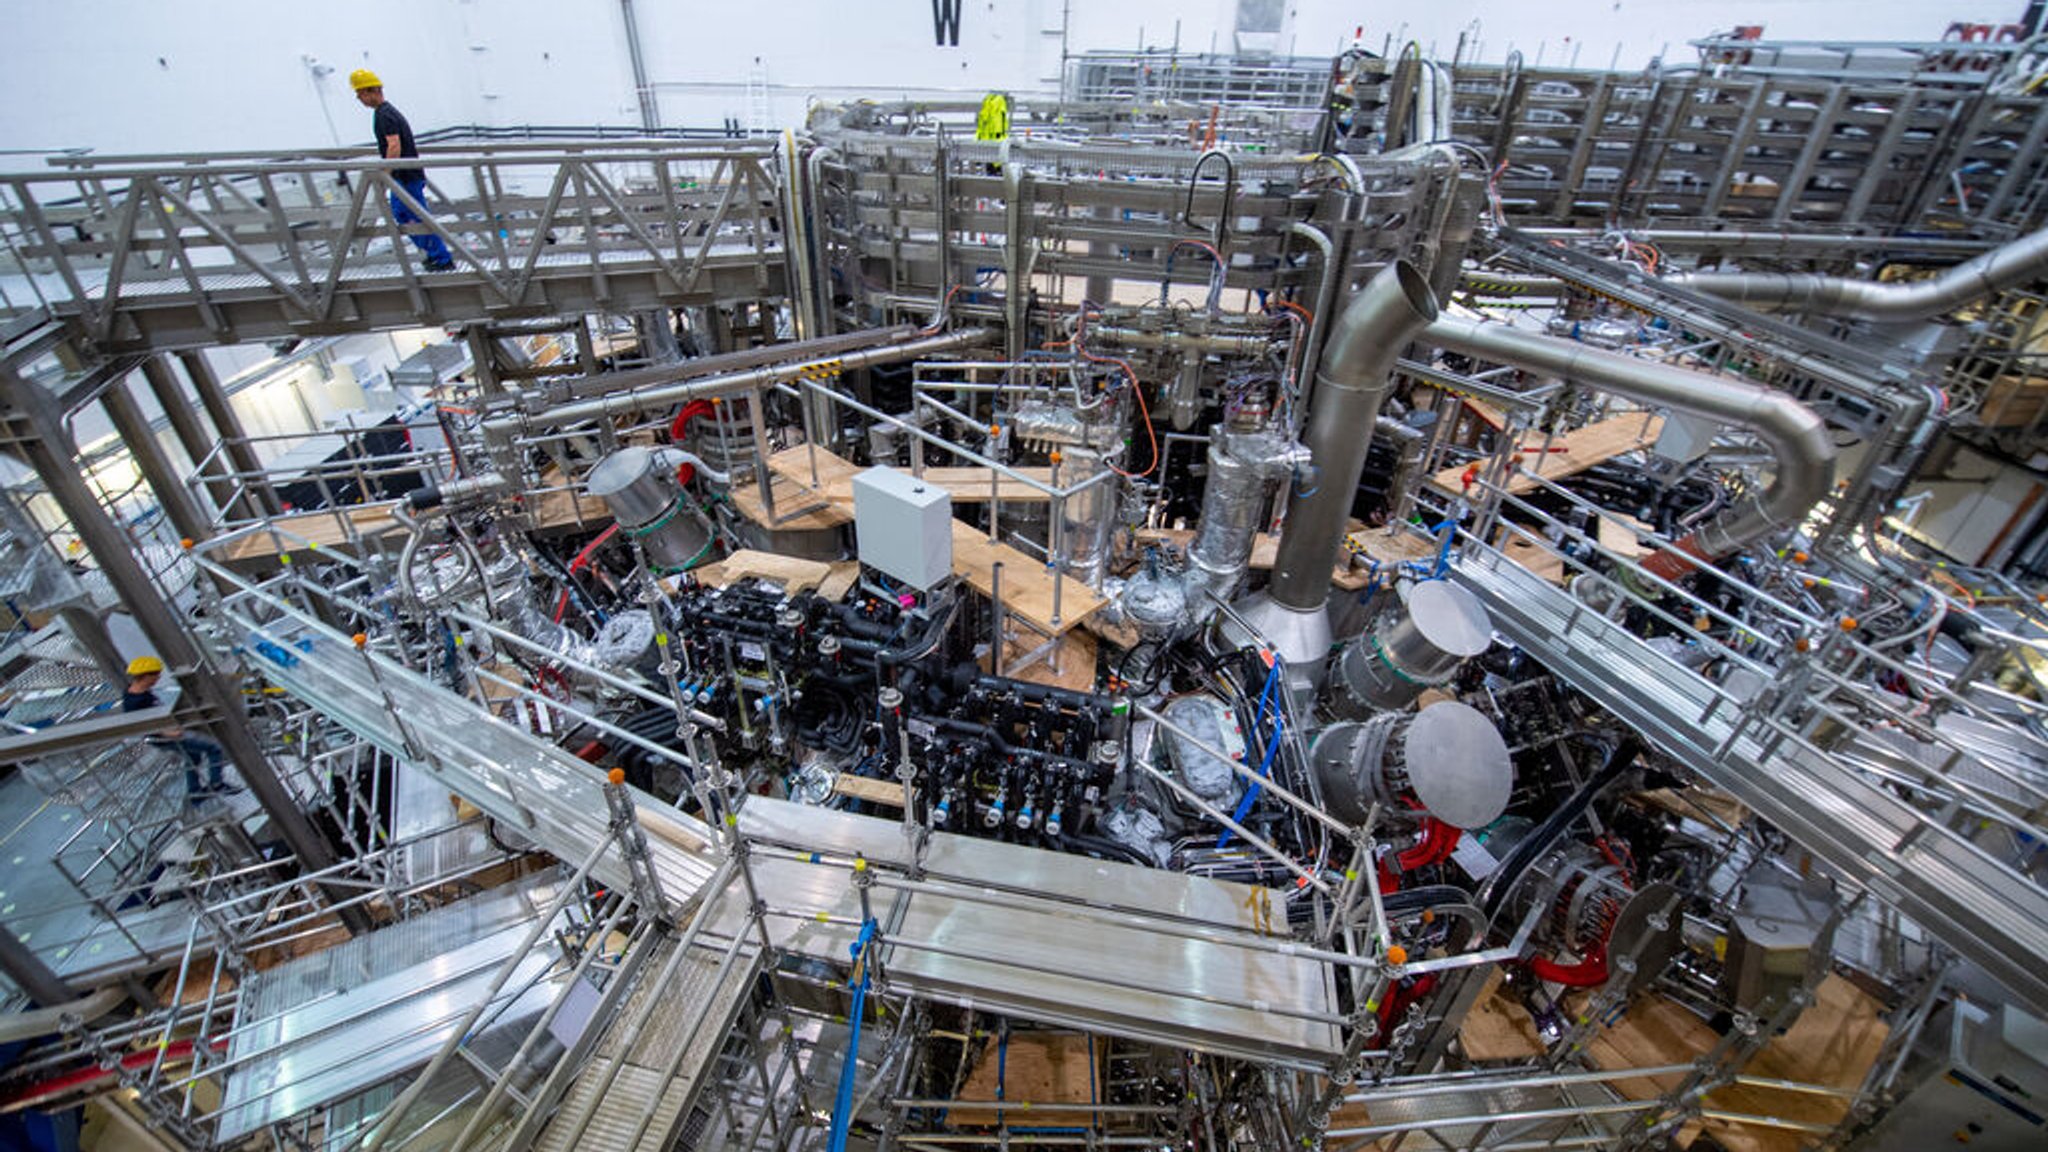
(792, 573)
(834, 477)
(1833, 1044)
(341, 528)
(789, 497)
(1581, 449)
(1027, 585)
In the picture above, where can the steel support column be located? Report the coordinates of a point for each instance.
(261, 499)
(151, 460)
(90, 630)
(50, 450)
(30, 974)
(187, 427)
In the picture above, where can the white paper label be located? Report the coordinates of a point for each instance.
(752, 651)
(1473, 857)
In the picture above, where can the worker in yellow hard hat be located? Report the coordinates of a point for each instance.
(394, 139)
(144, 672)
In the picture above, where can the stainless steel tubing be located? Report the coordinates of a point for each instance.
(1350, 384)
(2014, 264)
(1796, 436)
(638, 401)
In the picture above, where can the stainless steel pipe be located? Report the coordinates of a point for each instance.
(1796, 436)
(1350, 384)
(2017, 263)
(640, 401)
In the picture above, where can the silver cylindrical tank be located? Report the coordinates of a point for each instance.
(1418, 646)
(639, 487)
(1448, 757)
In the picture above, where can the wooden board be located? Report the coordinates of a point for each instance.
(834, 478)
(1493, 417)
(1833, 1043)
(317, 529)
(1583, 447)
(1075, 655)
(793, 574)
(789, 496)
(1690, 801)
(1499, 1028)
(1616, 537)
(1542, 561)
(840, 580)
(868, 789)
(324, 529)
(1036, 1068)
(1027, 585)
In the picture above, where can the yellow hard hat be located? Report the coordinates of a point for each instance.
(144, 665)
(363, 78)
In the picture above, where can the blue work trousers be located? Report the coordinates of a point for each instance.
(437, 252)
(198, 752)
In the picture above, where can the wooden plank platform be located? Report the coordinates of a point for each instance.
(966, 485)
(1027, 586)
(1833, 1043)
(789, 496)
(792, 573)
(1596, 443)
(865, 788)
(370, 522)
(1074, 653)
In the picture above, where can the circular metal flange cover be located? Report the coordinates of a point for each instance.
(1458, 764)
(1450, 617)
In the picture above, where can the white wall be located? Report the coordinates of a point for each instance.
(227, 75)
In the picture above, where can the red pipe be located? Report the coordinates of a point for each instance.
(96, 1078)
(582, 559)
(1588, 973)
(1438, 838)
(689, 412)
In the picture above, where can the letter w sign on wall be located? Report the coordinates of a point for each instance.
(946, 23)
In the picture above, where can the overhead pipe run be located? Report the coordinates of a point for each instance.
(2015, 264)
(503, 430)
(1796, 436)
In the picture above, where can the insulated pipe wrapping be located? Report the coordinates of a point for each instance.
(1351, 381)
(2017, 263)
(1796, 436)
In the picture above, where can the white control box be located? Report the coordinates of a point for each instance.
(904, 527)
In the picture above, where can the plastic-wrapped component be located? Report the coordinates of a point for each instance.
(626, 639)
(1214, 723)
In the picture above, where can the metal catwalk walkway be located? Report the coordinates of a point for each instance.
(1948, 885)
(642, 1105)
(195, 251)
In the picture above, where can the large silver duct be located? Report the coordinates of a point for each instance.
(1796, 436)
(1351, 380)
(2017, 263)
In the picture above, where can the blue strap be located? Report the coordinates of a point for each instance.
(842, 1107)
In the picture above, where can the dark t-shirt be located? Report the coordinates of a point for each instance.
(136, 701)
(389, 122)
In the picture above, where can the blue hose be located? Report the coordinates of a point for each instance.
(842, 1106)
(1251, 794)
